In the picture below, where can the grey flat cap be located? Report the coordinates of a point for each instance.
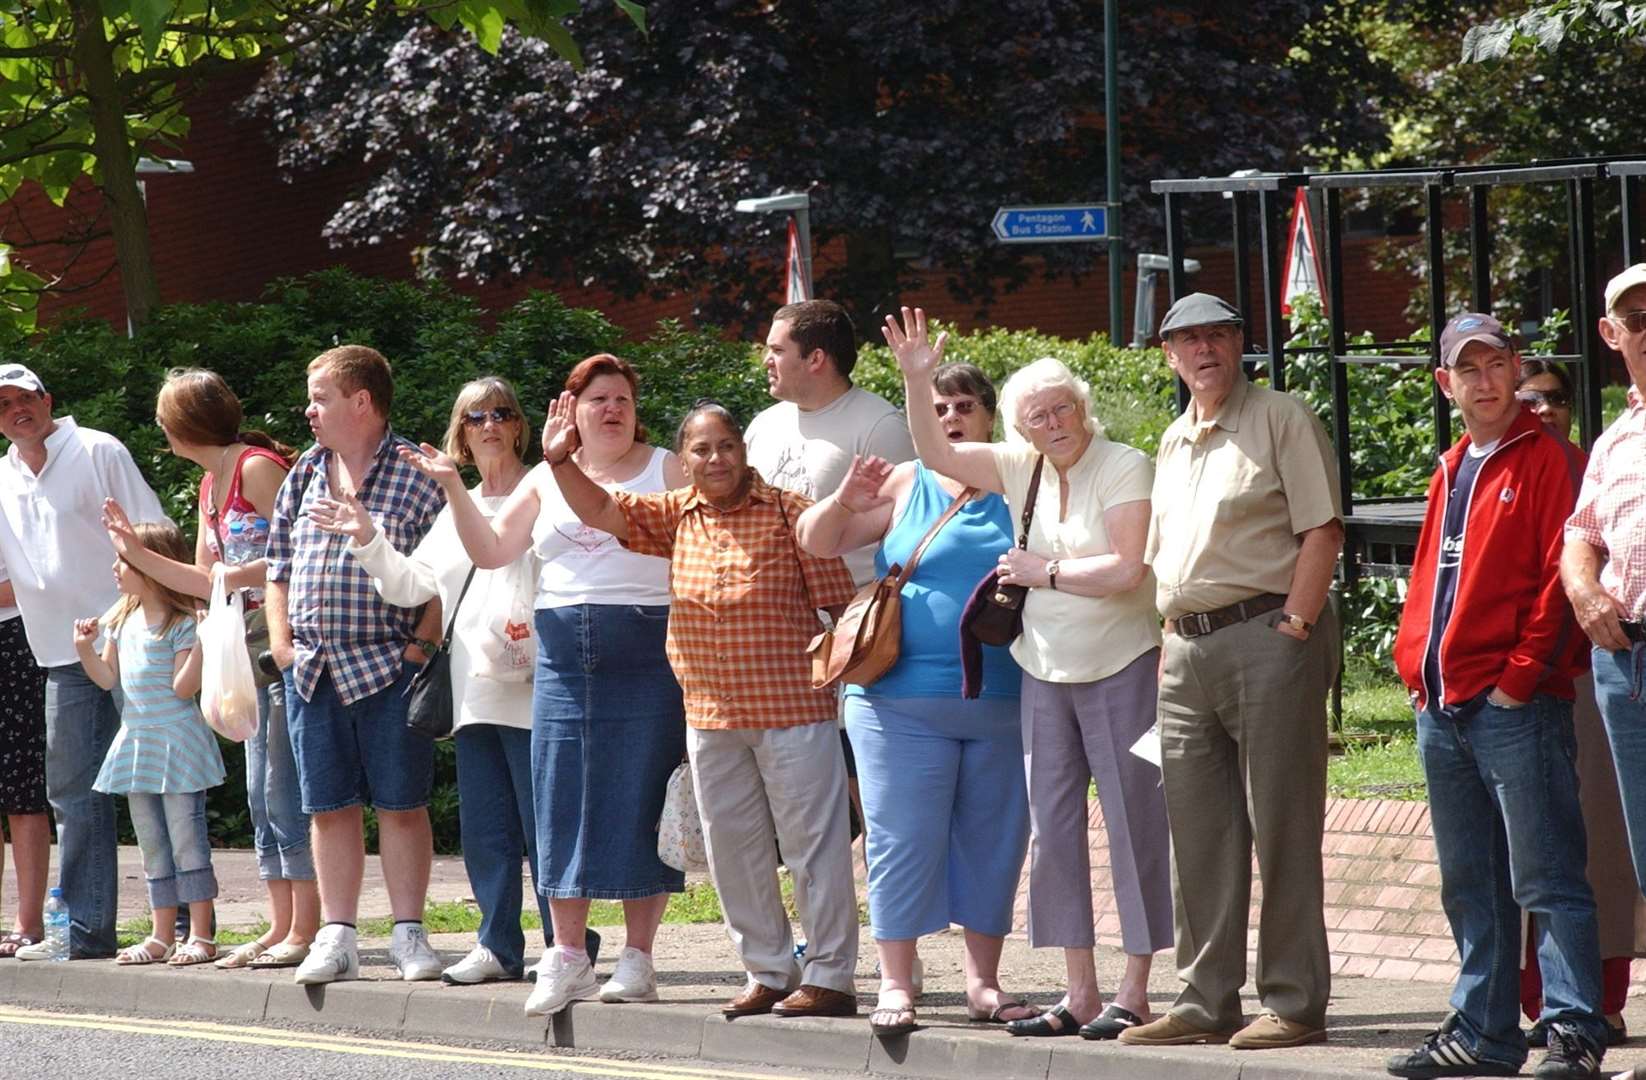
(1199, 309)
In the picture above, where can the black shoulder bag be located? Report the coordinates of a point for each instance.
(429, 704)
(998, 620)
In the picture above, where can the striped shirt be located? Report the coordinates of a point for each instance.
(163, 746)
(339, 623)
(740, 616)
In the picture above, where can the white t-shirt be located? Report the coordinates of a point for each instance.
(51, 532)
(810, 451)
(1068, 638)
(582, 565)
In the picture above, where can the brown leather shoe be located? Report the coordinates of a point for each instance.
(755, 1000)
(1272, 1032)
(1171, 1030)
(817, 1001)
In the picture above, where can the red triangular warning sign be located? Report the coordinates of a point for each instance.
(1303, 273)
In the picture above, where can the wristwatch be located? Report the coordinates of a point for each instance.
(1296, 622)
(428, 647)
(1051, 572)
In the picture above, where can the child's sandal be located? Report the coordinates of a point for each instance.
(141, 954)
(198, 950)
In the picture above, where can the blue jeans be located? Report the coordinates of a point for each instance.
(1509, 835)
(171, 831)
(81, 719)
(1622, 702)
(279, 826)
(494, 786)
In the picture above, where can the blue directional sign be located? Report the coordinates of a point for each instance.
(1051, 224)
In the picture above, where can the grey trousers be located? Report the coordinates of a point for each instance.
(1243, 746)
(1074, 733)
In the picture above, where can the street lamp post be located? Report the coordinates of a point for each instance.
(798, 205)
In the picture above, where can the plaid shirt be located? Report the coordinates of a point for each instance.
(338, 621)
(1611, 508)
(740, 618)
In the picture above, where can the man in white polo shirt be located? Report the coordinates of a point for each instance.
(53, 481)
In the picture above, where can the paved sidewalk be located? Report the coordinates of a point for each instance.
(698, 970)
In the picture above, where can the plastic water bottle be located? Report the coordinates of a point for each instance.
(257, 538)
(235, 548)
(57, 925)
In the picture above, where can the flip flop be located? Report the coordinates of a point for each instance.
(240, 956)
(1053, 1022)
(281, 955)
(995, 1015)
(893, 1020)
(139, 954)
(10, 943)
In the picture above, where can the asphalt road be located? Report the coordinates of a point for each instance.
(38, 1045)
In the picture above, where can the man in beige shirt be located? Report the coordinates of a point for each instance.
(1245, 533)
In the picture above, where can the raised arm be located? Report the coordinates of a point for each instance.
(490, 544)
(856, 514)
(189, 579)
(970, 463)
(591, 503)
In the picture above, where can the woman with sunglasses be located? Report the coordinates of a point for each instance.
(944, 798)
(607, 719)
(490, 663)
(1090, 653)
(1546, 389)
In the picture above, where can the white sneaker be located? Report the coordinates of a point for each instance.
(334, 957)
(559, 983)
(411, 953)
(40, 950)
(634, 980)
(481, 965)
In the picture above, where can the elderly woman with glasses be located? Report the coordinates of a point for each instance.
(607, 718)
(1089, 651)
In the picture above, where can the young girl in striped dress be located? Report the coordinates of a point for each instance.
(164, 757)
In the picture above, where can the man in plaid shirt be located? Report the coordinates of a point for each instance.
(347, 658)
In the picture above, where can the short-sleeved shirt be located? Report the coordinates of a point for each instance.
(339, 623)
(741, 613)
(1068, 638)
(1611, 509)
(1231, 496)
(809, 450)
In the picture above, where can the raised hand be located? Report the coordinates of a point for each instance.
(118, 526)
(345, 516)
(916, 354)
(560, 428)
(438, 467)
(859, 489)
(86, 631)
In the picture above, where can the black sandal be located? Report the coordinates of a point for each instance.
(1110, 1023)
(1055, 1021)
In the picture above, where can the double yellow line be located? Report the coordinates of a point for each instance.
(527, 1059)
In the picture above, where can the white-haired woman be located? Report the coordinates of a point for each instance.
(1089, 651)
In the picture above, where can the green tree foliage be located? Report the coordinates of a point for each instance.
(1545, 27)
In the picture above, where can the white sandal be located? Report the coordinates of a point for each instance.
(198, 950)
(140, 954)
(240, 956)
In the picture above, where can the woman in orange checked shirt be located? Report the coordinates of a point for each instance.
(765, 756)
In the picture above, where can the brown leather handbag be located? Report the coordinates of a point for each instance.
(864, 643)
(998, 618)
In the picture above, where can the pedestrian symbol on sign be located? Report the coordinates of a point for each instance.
(1087, 222)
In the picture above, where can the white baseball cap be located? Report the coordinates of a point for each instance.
(20, 376)
(1615, 288)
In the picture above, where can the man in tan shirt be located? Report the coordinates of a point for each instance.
(1244, 536)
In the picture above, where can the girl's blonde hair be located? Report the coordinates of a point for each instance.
(1047, 373)
(163, 538)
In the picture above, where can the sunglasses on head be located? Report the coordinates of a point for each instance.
(964, 407)
(1633, 321)
(502, 414)
(1555, 399)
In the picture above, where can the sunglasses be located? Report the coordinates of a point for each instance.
(1555, 399)
(964, 407)
(1633, 321)
(500, 415)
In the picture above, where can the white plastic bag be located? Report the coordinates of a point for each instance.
(228, 692)
(680, 828)
(505, 649)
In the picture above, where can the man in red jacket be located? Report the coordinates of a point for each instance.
(1488, 647)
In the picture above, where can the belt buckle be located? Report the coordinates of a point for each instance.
(1202, 625)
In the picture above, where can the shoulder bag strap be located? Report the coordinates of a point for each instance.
(1028, 503)
(925, 541)
(451, 623)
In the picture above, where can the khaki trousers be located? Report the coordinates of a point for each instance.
(1243, 746)
(758, 789)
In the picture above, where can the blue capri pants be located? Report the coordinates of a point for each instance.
(946, 809)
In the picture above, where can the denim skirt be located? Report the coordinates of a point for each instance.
(608, 727)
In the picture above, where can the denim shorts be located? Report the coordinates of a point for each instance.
(359, 754)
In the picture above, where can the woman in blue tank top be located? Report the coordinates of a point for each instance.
(944, 800)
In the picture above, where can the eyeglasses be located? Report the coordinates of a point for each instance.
(1041, 417)
(1555, 399)
(500, 415)
(1632, 321)
(963, 407)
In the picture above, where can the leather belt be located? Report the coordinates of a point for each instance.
(1199, 623)
(1634, 631)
